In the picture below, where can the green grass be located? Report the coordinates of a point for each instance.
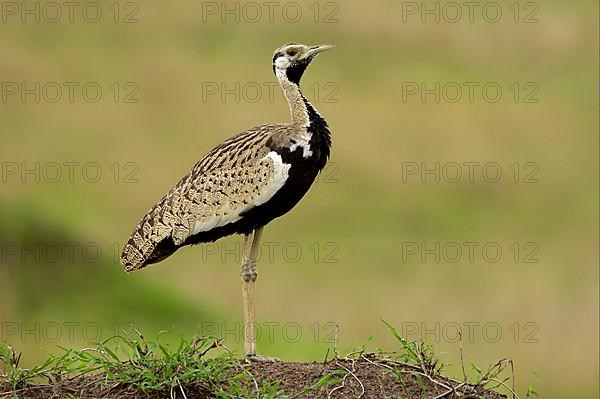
(149, 366)
(142, 365)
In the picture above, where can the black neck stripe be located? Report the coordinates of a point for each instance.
(295, 71)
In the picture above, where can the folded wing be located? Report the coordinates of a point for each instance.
(232, 179)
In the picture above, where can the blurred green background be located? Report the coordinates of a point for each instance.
(346, 254)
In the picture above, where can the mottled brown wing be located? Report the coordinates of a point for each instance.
(233, 178)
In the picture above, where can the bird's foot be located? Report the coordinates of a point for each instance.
(259, 358)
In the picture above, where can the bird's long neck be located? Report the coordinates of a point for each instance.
(302, 111)
(306, 116)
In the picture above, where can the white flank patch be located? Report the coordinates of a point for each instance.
(277, 180)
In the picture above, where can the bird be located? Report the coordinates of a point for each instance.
(241, 185)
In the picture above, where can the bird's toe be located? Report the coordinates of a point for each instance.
(259, 358)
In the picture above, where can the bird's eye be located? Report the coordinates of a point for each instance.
(292, 52)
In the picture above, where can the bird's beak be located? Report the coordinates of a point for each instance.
(314, 50)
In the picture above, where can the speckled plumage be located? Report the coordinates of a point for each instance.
(239, 186)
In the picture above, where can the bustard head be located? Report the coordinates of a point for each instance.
(291, 60)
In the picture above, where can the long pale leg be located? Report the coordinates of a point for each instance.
(249, 274)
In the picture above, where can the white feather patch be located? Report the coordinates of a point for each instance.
(277, 180)
(282, 63)
(303, 142)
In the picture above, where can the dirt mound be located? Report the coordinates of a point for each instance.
(365, 377)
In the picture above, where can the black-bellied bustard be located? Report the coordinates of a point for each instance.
(241, 185)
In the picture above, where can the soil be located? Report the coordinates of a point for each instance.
(363, 378)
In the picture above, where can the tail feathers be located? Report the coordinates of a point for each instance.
(134, 257)
(150, 243)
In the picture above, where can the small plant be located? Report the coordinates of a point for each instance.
(417, 353)
(17, 377)
(425, 365)
(532, 391)
(328, 379)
